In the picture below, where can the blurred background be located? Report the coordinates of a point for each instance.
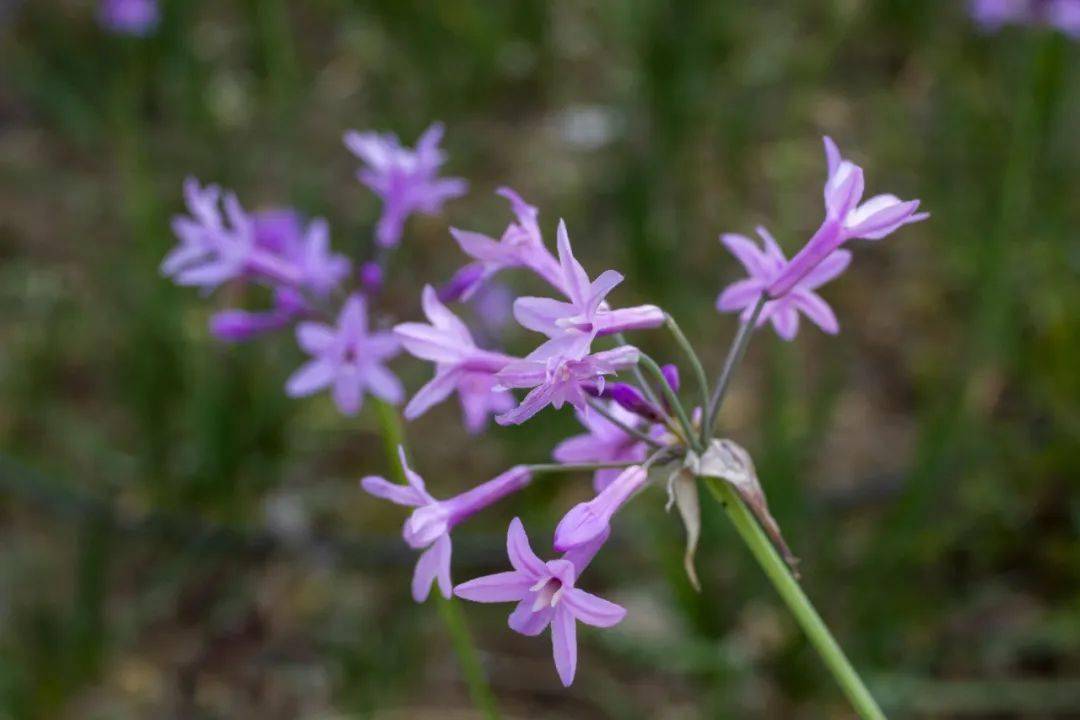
(178, 539)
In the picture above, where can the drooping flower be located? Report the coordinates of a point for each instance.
(347, 358)
(428, 527)
(605, 442)
(242, 325)
(589, 520)
(845, 219)
(764, 265)
(521, 245)
(459, 365)
(546, 595)
(572, 326)
(129, 17)
(405, 179)
(556, 379)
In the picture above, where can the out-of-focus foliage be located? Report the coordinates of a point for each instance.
(179, 539)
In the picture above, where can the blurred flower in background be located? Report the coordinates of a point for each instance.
(992, 15)
(129, 17)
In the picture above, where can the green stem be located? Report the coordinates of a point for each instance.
(672, 398)
(479, 690)
(799, 605)
(393, 435)
(644, 437)
(735, 354)
(696, 366)
(576, 467)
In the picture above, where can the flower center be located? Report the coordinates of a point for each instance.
(548, 593)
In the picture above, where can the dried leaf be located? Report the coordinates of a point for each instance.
(683, 492)
(728, 461)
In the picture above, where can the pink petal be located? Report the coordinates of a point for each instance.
(832, 155)
(600, 288)
(383, 384)
(786, 323)
(441, 317)
(522, 558)
(844, 189)
(501, 587)
(580, 449)
(739, 295)
(348, 393)
(381, 346)
(593, 610)
(353, 318)
(433, 393)
(748, 253)
(411, 476)
(478, 246)
(574, 276)
(429, 343)
(816, 309)
(836, 263)
(434, 564)
(879, 216)
(538, 398)
(564, 644)
(528, 622)
(310, 378)
(397, 494)
(541, 314)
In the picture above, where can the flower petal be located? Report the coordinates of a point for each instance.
(509, 586)
(739, 295)
(348, 393)
(829, 268)
(747, 252)
(310, 378)
(386, 490)
(538, 398)
(383, 384)
(815, 308)
(527, 621)
(786, 323)
(434, 392)
(315, 338)
(541, 314)
(521, 555)
(434, 564)
(573, 274)
(593, 610)
(564, 644)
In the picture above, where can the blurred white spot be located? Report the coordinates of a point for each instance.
(588, 127)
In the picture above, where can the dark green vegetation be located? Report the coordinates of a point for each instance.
(179, 539)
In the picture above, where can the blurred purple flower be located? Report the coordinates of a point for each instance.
(572, 326)
(545, 595)
(371, 278)
(430, 524)
(845, 219)
(587, 521)
(764, 265)
(459, 365)
(219, 244)
(493, 304)
(129, 17)
(556, 379)
(405, 179)
(521, 245)
(605, 442)
(992, 15)
(348, 358)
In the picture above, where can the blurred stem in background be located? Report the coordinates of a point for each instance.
(449, 610)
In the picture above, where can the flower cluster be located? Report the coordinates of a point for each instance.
(636, 427)
(992, 15)
(129, 17)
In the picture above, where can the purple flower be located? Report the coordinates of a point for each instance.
(430, 524)
(589, 520)
(129, 17)
(764, 265)
(992, 15)
(459, 365)
(845, 219)
(216, 247)
(348, 358)
(556, 379)
(545, 595)
(572, 326)
(406, 180)
(605, 442)
(521, 245)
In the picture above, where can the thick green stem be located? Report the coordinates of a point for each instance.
(799, 605)
(479, 690)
